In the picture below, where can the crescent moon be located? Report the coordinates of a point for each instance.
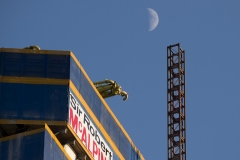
(153, 19)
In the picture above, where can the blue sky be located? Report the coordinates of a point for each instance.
(111, 40)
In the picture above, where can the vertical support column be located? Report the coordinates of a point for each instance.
(176, 108)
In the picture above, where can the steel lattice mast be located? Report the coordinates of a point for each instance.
(176, 108)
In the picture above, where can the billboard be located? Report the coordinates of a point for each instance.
(87, 132)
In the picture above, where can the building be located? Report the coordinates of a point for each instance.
(50, 109)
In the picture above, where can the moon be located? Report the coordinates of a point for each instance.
(153, 19)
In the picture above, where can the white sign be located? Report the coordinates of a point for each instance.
(87, 132)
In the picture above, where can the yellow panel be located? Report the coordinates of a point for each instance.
(36, 122)
(31, 51)
(22, 134)
(32, 80)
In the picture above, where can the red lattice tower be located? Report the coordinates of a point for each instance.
(176, 103)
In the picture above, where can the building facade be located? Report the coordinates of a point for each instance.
(50, 109)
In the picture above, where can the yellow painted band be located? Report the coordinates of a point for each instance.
(33, 80)
(22, 134)
(36, 122)
(57, 141)
(31, 51)
(80, 142)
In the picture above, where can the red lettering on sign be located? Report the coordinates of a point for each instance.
(88, 145)
(80, 127)
(73, 120)
(84, 138)
(95, 149)
(102, 156)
